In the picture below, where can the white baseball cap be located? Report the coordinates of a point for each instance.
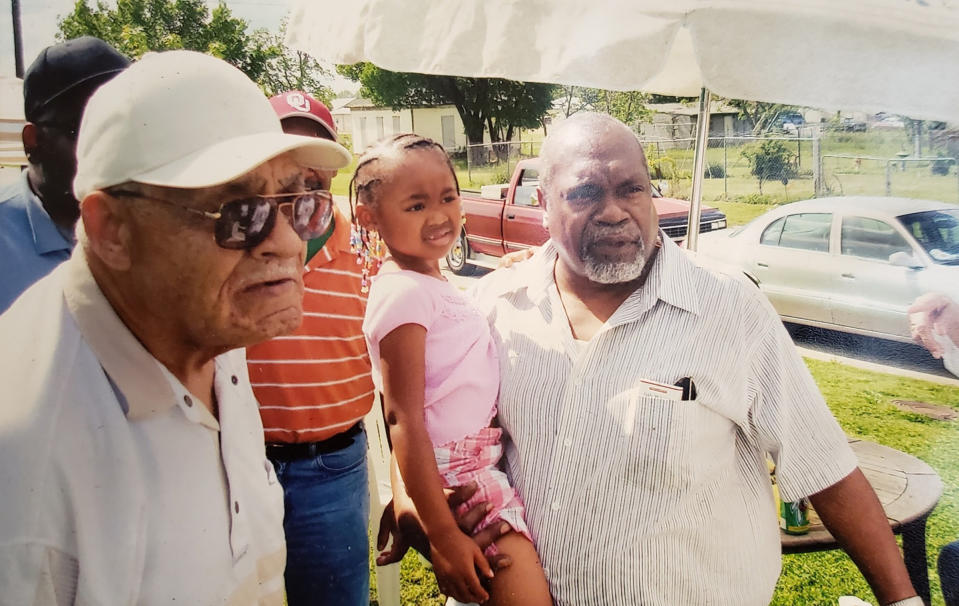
(187, 120)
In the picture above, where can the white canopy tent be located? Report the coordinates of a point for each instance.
(897, 56)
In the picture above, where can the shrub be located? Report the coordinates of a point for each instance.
(346, 140)
(942, 166)
(756, 199)
(661, 167)
(501, 175)
(771, 159)
(714, 171)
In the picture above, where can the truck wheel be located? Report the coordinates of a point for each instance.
(458, 257)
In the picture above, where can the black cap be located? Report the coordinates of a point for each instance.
(60, 68)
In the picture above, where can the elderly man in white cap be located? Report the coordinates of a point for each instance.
(133, 468)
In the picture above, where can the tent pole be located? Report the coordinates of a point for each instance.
(17, 39)
(699, 165)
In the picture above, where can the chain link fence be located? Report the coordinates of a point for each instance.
(768, 169)
(489, 163)
(854, 175)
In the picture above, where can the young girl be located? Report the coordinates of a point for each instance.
(435, 362)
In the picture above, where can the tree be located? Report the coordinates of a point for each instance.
(762, 115)
(135, 27)
(771, 159)
(573, 99)
(291, 69)
(494, 104)
(626, 106)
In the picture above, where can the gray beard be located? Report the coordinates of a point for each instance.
(614, 273)
(618, 272)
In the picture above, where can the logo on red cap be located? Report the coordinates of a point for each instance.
(298, 102)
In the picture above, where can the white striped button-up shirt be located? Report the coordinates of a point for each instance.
(634, 499)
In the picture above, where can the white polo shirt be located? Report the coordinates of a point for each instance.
(633, 499)
(119, 487)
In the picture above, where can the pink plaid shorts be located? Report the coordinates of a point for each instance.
(474, 459)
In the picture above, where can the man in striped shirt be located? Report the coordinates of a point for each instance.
(637, 492)
(636, 496)
(314, 387)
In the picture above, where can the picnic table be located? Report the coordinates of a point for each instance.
(908, 490)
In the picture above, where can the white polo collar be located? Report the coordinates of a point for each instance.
(145, 387)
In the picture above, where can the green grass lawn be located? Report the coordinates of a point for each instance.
(341, 182)
(861, 401)
(740, 213)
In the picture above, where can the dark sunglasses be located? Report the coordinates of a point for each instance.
(246, 222)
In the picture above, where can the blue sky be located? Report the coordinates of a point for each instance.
(39, 25)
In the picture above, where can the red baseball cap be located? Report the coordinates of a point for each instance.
(297, 104)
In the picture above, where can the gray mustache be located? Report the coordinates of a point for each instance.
(592, 234)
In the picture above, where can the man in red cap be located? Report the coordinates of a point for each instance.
(314, 389)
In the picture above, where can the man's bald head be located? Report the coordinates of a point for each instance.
(580, 133)
(594, 186)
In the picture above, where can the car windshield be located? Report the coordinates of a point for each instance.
(937, 231)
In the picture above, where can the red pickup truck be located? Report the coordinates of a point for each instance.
(505, 218)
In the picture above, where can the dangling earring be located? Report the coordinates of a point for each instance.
(369, 249)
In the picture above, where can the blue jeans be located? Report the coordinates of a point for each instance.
(327, 513)
(949, 573)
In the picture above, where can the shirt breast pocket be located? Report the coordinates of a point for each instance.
(672, 449)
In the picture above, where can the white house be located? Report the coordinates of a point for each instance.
(678, 121)
(341, 115)
(368, 123)
(12, 157)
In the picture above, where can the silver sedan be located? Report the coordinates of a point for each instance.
(851, 264)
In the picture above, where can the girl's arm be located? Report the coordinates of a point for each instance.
(455, 556)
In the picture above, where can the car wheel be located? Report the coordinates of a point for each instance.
(458, 257)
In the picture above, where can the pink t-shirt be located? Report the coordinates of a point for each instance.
(462, 370)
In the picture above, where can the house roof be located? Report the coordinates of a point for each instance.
(362, 104)
(340, 102)
(359, 103)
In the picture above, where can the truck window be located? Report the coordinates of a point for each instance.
(526, 189)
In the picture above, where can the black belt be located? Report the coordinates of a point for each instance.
(282, 451)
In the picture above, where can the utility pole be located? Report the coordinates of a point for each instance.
(17, 39)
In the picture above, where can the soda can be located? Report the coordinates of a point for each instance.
(793, 516)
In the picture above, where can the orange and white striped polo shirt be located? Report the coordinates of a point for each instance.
(315, 383)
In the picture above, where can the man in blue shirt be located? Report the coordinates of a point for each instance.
(38, 212)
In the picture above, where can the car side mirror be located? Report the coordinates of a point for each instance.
(904, 259)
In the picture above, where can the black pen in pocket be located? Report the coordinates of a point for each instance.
(689, 388)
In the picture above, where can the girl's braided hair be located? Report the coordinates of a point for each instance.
(366, 178)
